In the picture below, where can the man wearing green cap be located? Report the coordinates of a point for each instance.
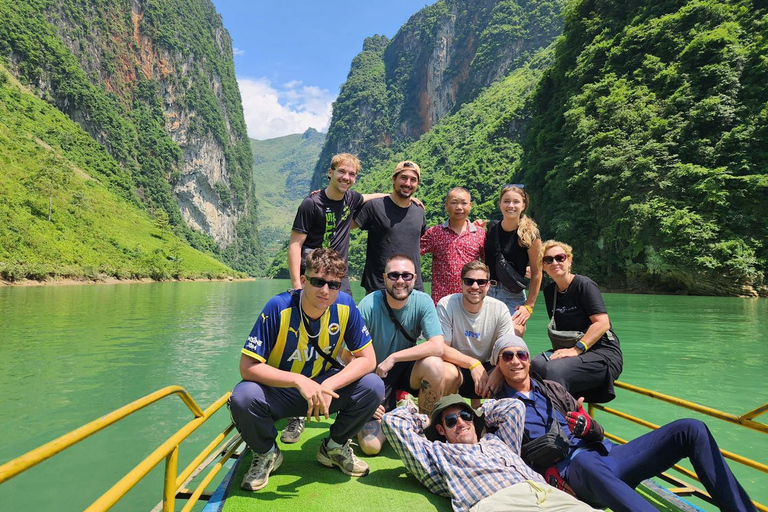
(481, 472)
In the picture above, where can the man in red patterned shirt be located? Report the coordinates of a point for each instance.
(453, 244)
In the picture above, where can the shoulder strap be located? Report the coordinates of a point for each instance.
(313, 341)
(394, 319)
(497, 239)
(552, 323)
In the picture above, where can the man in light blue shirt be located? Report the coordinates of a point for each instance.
(396, 318)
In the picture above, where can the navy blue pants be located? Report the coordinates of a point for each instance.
(609, 480)
(255, 408)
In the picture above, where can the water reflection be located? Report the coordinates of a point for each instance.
(70, 354)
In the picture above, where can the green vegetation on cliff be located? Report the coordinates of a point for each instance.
(61, 215)
(648, 145)
(641, 135)
(123, 72)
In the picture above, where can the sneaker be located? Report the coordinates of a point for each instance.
(292, 431)
(262, 465)
(343, 458)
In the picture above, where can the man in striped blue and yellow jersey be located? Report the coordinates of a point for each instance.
(289, 368)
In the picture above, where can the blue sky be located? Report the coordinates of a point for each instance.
(291, 57)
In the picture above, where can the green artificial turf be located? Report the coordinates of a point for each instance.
(302, 484)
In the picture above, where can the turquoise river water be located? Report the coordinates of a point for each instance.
(69, 354)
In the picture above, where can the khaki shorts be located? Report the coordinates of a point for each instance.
(530, 495)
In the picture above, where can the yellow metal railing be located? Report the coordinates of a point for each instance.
(745, 420)
(169, 450)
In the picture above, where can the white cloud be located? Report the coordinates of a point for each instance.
(271, 112)
(237, 52)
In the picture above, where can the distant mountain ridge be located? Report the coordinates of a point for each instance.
(282, 171)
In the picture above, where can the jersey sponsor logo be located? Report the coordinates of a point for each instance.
(253, 340)
(470, 334)
(365, 332)
(306, 355)
(334, 329)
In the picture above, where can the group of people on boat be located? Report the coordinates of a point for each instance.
(530, 445)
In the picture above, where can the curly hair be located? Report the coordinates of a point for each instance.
(326, 261)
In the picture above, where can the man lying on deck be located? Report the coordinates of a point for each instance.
(479, 471)
(564, 443)
(289, 368)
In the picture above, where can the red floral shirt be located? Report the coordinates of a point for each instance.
(450, 252)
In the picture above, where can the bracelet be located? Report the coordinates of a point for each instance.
(529, 308)
(581, 346)
(475, 365)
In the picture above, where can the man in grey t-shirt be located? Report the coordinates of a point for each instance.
(471, 324)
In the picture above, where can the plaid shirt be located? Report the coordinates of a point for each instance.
(450, 252)
(463, 472)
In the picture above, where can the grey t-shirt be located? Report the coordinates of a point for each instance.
(473, 334)
(391, 230)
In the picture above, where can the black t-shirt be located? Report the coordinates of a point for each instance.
(391, 230)
(516, 255)
(326, 222)
(581, 300)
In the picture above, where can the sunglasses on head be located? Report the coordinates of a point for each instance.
(508, 356)
(518, 185)
(407, 276)
(318, 282)
(468, 281)
(547, 260)
(450, 420)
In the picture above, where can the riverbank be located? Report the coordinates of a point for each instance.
(114, 280)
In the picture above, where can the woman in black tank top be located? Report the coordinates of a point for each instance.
(514, 242)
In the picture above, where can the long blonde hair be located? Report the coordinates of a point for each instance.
(527, 229)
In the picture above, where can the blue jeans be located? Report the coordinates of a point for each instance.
(512, 300)
(609, 480)
(255, 408)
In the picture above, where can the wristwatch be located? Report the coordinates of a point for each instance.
(581, 346)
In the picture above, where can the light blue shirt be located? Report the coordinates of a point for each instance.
(418, 317)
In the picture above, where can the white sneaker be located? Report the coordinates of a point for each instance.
(343, 458)
(261, 466)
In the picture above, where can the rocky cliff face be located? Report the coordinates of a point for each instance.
(441, 58)
(166, 67)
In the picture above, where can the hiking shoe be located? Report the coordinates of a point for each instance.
(292, 431)
(262, 465)
(343, 458)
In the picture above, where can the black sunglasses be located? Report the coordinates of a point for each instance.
(407, 276)
(508, 356)
(468, 281)
(547, 260)
(318, 282)
(450, 420)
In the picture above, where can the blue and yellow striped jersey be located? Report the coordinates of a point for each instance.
(279, 339)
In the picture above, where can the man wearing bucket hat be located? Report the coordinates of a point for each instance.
(394, 225)
(567, 445)
(472, 456)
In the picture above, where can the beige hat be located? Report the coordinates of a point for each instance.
(407, 165)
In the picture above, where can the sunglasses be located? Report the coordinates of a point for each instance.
(547, 260)
(522, 355)
(468, 281)
(407, 276)
(450, 420)
(518, 185)
(318, 282)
